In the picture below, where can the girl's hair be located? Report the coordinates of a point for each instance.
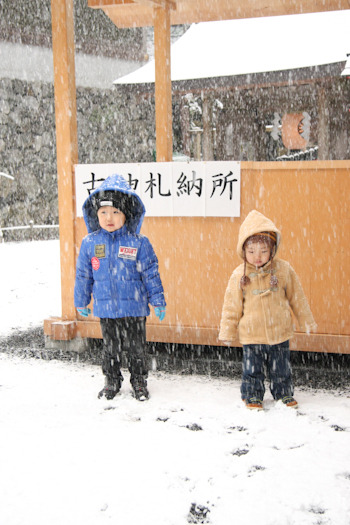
(269, 238)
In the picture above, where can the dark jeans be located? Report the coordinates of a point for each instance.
(126, 334)
(276, 360)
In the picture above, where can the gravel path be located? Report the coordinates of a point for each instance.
(310, 369)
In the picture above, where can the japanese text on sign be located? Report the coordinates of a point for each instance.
(178, 189)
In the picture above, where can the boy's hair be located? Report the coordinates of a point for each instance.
(270, 238)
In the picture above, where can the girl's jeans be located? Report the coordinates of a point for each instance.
(276, 359)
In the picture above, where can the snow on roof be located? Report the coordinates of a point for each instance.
(254, 45)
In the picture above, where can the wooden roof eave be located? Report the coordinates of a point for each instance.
(140, 13)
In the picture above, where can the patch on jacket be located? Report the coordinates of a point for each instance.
(95, 263)
(100, 251)
(126, 252)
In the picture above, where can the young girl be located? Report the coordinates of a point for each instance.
(257, 307)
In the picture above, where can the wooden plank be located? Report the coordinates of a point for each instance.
(125, 13)
(164, 133)
(99, 4)
(336, 344)
(66, 142)
(158, 3)
(160, 230)
(208, 336)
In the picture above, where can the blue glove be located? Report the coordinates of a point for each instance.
(160, 312)
(84, 311)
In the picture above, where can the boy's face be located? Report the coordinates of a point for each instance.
(110, 218)
(258, 253)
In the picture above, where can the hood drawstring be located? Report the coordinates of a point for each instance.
(273, 278)
(244, 279)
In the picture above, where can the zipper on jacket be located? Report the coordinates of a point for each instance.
(114, 287)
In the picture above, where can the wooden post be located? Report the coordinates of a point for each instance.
(185, 127)
(164, 132)
(323, 125)
(198, 145)
(207, 128)
(66, 142)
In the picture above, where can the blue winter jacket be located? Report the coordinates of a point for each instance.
(120, 269)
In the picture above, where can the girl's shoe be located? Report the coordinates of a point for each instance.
(253, 403)
(289, 401)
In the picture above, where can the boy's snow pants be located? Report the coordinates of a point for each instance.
(276, 360)
(126, 334)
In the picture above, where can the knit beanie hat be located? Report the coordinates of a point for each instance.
(269, 238)
(116, 199)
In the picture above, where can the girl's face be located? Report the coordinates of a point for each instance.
(258, 253)
(110, 218)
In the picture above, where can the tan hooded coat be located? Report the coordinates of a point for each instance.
(262, 314)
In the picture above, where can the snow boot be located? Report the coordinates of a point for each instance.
(111, 388)
(253, 403)
(289, 401)
(139, 385)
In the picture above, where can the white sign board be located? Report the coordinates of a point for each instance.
(171, 189)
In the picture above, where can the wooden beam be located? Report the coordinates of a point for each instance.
(164, 134)
(208, 150)
(96, 4)
(322, 124)
(329, 343)
(158, 3)
(202, 10)
(139, 13)
(66, 142)
(100, 4)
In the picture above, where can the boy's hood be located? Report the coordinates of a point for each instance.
(255, 222)
(115, 183)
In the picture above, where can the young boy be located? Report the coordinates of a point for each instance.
(119, 268)
(257, 307)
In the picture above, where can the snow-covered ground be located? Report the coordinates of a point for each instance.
(67, 458)
(30, 284)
